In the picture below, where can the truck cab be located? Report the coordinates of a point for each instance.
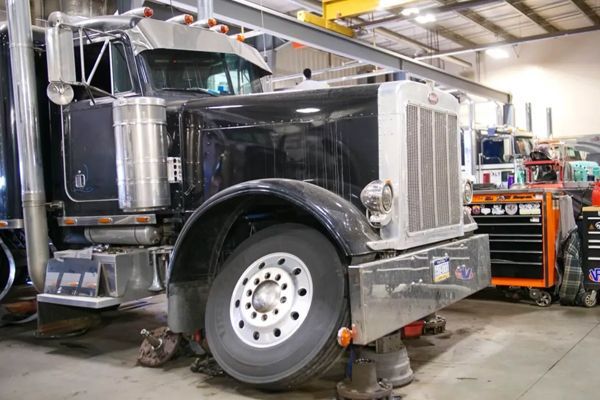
(500, 151)
(273, 220)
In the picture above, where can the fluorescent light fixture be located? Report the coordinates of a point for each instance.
(407, 12)
(425, 19)
(497, 53)
(308, 110)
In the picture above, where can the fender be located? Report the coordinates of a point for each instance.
(197, 249)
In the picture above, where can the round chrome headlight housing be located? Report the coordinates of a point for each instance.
(468, 192)
(378, 197)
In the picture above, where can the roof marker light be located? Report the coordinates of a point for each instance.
(145, 12)
(220, 28)
(183, 19)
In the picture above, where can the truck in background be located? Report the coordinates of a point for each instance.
(500, 153)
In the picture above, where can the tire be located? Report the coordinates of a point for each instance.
(590, 299)
(545, 299)
(306, 345)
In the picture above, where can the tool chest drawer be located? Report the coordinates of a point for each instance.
(590, 247)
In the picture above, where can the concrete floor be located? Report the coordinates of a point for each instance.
(491, 350)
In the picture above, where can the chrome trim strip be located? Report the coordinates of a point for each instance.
(92, 220)
(11, 224)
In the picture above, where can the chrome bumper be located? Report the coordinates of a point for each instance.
(387, 294)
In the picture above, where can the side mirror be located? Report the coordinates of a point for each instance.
(60, 59)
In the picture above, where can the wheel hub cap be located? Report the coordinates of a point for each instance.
(266, 296)
(271, 299)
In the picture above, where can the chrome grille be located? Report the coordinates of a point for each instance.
(426, 169)
(454, 181)
(442, 195)
(414, 194)
(433, 169)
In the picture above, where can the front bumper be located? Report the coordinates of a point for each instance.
(387, 294)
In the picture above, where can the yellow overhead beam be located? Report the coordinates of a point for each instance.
(338, 9)
(307, 16)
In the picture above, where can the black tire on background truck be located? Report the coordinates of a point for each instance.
(274, 310)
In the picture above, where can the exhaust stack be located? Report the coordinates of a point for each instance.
(33, 196)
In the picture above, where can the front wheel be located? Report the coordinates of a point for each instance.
(274, 309)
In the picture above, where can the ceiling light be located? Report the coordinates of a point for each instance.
(308, 110)
(407, 12)
(497, 53)
(425, 19)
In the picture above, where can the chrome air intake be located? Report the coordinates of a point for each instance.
(141, 146)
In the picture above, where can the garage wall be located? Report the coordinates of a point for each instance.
(562, 73)
(290, 60)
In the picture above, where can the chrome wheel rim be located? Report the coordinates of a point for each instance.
(271, 300)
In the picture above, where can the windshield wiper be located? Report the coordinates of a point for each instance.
(201, 90)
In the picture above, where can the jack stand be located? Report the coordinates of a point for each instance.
(364, 384)
(391, 359)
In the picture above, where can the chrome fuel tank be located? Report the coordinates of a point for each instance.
(141, 153)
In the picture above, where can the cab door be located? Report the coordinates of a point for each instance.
(88, 139)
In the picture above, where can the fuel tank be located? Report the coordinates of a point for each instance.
(141, 153)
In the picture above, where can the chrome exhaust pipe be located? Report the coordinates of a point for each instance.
(29, 146)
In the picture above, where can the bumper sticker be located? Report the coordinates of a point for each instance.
(464, 273)
(441, 269)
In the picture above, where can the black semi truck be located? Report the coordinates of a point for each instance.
(272, 220)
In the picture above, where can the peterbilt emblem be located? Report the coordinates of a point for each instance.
(433, 98)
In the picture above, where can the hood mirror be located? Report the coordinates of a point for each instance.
(60, 93)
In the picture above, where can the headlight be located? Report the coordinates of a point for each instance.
(468, 192)
(378, 197)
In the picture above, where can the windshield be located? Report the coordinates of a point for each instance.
(223, 74)
(496, 150)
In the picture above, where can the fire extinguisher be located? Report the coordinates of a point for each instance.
(596, 194)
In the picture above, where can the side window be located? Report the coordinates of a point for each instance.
(106, 68)
(218, 82)
(240, 71)
(121, 74)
